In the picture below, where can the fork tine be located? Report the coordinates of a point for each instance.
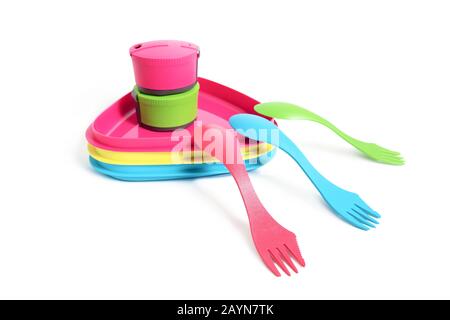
(295, 252)
(391, 162)
(267, 259)
(279, 261)
(392, 157)
(360, 219)
(365, 216)
(354, 222)
(387, 150)
(390, 153)
(285, 255)
(387, 159)
(365, 208)
(387, 154)
(396, 161)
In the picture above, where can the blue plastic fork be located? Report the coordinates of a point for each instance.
(346, 205)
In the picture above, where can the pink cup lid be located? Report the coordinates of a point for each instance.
(165, 65)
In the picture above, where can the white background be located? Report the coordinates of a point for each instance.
(380, 70)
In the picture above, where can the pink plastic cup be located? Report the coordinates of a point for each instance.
(165, 67)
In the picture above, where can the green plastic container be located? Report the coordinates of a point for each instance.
(167, 112)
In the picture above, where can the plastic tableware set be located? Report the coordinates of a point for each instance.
(175, 125)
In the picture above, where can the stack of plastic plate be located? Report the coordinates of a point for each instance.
(120, 148)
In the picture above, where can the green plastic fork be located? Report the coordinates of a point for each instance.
(283, 110)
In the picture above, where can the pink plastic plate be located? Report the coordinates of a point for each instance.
(117, 128)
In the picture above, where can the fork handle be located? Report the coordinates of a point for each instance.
(251, 200)
(318, 180)
(228, 148)
(316, 118)
(305, 114)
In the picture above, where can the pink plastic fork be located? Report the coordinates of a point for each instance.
(274, 243)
